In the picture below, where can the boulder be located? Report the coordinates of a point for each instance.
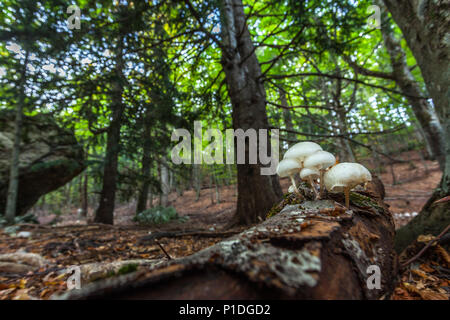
(50, 157)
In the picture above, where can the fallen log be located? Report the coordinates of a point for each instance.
(308, 250)
(21, 262)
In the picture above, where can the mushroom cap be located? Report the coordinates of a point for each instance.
(320, 160)
(288, 167)
(344, 175)
(301, 150)
(291, 189)
(306, 173)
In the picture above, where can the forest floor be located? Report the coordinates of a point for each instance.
(72, 241)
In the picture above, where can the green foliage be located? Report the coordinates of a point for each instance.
(158, 215)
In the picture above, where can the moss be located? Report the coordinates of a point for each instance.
(288, 198)
(70, 164)
(127, 268)
(364, 201)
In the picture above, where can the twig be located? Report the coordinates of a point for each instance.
(403, 196)
(193, 233)
(421, 252)
(162, 248)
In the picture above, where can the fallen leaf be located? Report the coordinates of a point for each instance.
(426, 268)
(21, 294)
(445, 199)
(443, 254)
(432, 295)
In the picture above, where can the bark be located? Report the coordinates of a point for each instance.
(216, 186)
(287, 116)
(147, 138)
(105, 211)
(197, 179)
(13, 186)
(256, 193)
(165, 188)
(346, 150)
(211, 191)
(315, 250)
(425, 26)
(422, 138)
(84, 194)
(67, 202)
(151, 199)
(410, 88)
(432, 219)
(179, 185)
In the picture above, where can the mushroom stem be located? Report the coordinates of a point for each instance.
(311, 182)
(295, 186)
(322, 172)
(347, 197)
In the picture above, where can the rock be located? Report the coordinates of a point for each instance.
(49, 219)
(24, 234)
(50, 157)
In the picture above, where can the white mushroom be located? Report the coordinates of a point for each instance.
(291, 189)
(320, 160)
(301, 150)
(345, 176)
(309, 174)
(288, 168)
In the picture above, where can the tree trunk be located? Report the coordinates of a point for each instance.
(319, 251)
(67, 201)
(422, 138)
(425, 26)
(287, 116)
(179, 185)
(150, 198)
(13, 186)
(105, 211)
(211, 191)
(197, 179)
(84, 194)
(164, 184)
(143, 192)
(216, 185)
(256, 193)
(421, 108)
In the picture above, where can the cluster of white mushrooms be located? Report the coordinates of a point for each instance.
(312, 163)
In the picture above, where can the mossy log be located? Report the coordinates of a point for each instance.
(312, 250)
